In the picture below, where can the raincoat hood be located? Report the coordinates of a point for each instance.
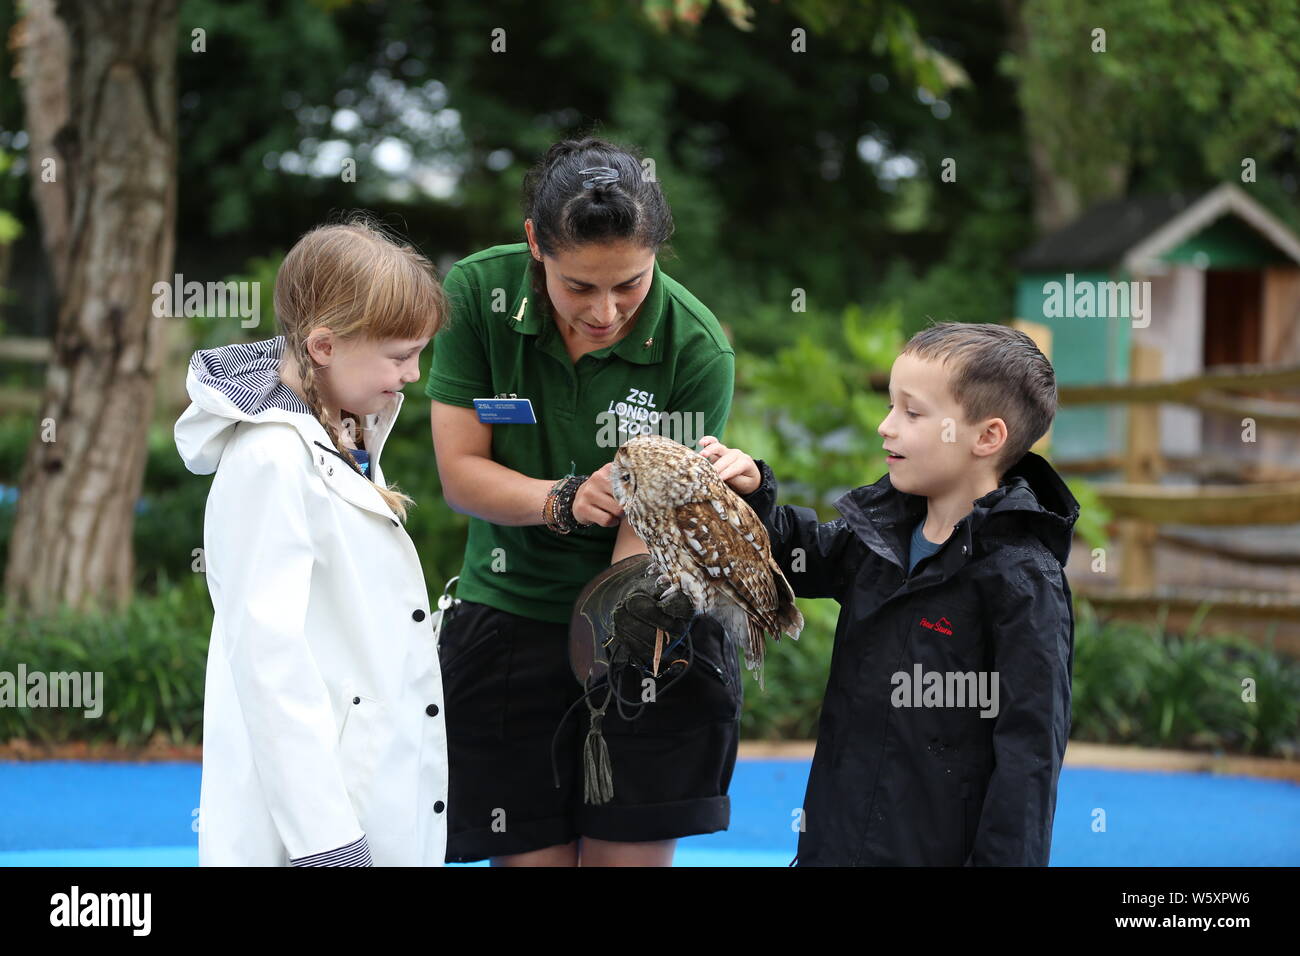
(241, 383)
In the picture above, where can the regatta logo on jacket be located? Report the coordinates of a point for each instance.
(943, 625)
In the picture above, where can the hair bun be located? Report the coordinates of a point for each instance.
(590, 190)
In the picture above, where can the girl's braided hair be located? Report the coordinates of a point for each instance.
(357, 279)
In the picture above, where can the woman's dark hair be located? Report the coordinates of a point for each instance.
(589, 190)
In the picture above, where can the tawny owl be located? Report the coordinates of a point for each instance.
(705, 541)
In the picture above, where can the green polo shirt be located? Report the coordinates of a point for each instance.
(672, 374)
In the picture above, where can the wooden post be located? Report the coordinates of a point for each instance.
(1143, 465)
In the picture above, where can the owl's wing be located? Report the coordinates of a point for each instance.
(729, 545)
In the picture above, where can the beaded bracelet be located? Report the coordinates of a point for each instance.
(565, 499)
(548, 508)
(557, 512)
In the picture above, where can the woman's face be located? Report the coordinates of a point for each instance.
(597, 288)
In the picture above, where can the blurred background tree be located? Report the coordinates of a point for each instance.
(1164, 92)
(99, 84)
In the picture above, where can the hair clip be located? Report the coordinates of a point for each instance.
(605, 175)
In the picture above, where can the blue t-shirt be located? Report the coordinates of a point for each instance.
(363, 460)
(920, 548)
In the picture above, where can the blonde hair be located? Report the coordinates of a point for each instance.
(358, 280)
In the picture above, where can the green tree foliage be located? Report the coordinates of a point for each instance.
(1183, 91)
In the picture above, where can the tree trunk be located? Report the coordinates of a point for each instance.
(1058, 198)
(100, 96)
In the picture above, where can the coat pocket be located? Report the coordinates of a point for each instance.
(365, 719)
(474, 654)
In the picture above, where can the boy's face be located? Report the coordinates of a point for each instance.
(939, 449)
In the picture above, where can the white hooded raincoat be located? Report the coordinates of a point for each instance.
(324, 742)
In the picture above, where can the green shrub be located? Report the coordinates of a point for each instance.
(1140, 685)
(794, 675)
(1132, 684)
(152, 657)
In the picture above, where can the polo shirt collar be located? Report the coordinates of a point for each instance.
(642, 346)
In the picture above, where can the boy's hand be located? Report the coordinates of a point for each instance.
(732, 465)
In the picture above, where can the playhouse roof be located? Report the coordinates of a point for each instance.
(1135, 233)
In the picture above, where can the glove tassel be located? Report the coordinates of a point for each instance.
(597, 773)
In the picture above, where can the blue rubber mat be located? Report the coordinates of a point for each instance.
(68, 813)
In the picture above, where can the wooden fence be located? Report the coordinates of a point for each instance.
(1145, 508)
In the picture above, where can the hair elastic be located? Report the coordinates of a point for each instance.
(605, 176)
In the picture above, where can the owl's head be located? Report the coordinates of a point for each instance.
(655, 469)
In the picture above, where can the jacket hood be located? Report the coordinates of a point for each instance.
(1037, 496)
(241, 383)
(1031, 499)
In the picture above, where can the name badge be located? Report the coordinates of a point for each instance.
(505, 411)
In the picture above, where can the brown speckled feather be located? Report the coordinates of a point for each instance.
(706, 541)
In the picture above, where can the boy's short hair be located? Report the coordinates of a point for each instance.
(995, 372)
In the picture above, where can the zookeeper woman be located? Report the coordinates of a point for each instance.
(579, 321)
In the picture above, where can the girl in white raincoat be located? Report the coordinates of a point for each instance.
(324, 741)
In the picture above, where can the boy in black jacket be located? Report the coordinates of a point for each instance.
(947, 708)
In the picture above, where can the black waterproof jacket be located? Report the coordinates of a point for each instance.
(897, 782)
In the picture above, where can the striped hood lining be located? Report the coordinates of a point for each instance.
(238, 385)
(249, 375)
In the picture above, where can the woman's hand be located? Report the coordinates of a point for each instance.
(595, 503)
(732, 465)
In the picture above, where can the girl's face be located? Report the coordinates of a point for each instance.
(596, 289)
(364, 375)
